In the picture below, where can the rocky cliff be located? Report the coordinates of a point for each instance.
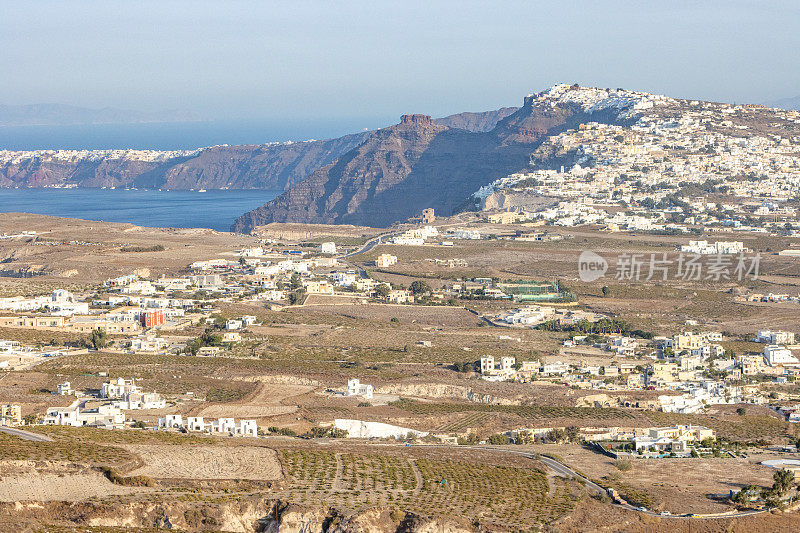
(421, 163)
(274, 166)
(249, 515)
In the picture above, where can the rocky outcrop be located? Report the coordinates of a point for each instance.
(420, 163)
(273, 166)
(441, 390)
(245, 516)
(393, 175)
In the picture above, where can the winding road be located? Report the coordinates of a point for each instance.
(25, 435)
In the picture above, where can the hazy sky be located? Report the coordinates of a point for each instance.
(233, 59)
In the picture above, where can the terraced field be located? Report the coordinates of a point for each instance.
(206, 462)
(514, 497)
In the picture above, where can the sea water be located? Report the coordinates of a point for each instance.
(215, 209)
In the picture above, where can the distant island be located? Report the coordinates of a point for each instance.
(68, 115)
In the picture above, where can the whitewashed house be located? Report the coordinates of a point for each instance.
(195, 423)
(246, 428)
(355, 388)
(223, 425)
(170, 422)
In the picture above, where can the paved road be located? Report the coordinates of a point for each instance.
(25, 435)
(369, 245)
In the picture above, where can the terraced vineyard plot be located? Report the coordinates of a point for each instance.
(467, 421)
(74, 452)
(518, 498)
(514, 497)
(312, 473)
(382, 475)
(750, 427)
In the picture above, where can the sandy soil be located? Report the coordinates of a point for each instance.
(207, 462)
(22, 481)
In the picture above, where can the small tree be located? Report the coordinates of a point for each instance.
(382, 291)
(606, 291)
(98, 338)
(419, 287)
(783, 480)
(573, 432)
(295, 282)
(741, 411)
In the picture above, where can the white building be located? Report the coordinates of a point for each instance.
(64, 389)
(195, 423)
(344, 279)
(355, 388)
(106, 416)
(706, 248)
(328, 248)
(223, 425)
(246, 428)
(118, 388)
(775, 337)
(467, 234)
(233, 324)
(148, 344)
(371, 430)
(779, 355)
(170, 422)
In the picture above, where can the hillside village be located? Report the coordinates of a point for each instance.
(673, 165)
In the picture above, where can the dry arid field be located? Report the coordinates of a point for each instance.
(289, 373)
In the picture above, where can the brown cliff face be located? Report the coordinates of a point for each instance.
(413, 165)
(268, 166)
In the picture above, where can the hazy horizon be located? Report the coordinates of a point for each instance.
(309, 60)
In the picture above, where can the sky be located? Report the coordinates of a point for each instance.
(281, 60)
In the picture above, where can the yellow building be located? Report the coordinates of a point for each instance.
(688, 341)
(32, 322)
(10, 415)
(506, 217)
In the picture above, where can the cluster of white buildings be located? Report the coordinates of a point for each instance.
(415, 236)
(125, 394)
(59, 303)
(675, 439)
(662, 150)
(221, 426)
(104, 415)
(714, 248)
(537, 314)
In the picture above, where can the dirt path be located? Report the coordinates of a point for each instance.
(337, 480)
(417, 476)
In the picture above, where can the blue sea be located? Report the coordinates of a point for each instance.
(215, 209)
